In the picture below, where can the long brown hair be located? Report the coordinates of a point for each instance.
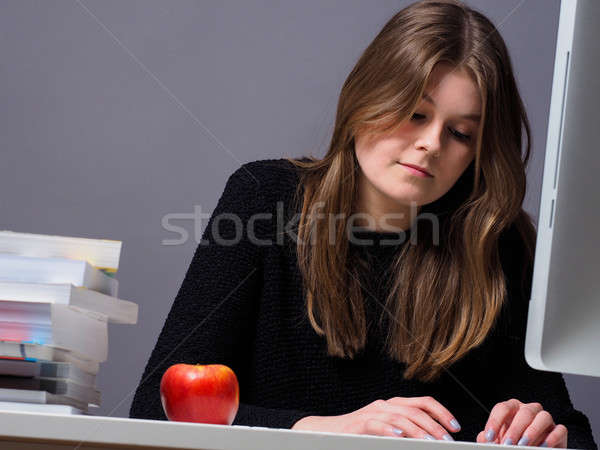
(444, 299)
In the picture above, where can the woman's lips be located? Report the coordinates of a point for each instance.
(416, 171)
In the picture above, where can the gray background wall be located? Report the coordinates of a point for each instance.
(116, 113)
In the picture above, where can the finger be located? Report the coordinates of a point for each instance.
(502, 414)
(379, 428)
(499, 438)
(405, 422)
(501, 434)
(539, 429)
(527, 426)
(432, 407)
(419, 424)
(480, 439)
(557, 438)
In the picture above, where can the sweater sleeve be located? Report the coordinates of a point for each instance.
(516, 378)
(211, 320)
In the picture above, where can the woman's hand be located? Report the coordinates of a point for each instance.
(413, 417)
(522, 424)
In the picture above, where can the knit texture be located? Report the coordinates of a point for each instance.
(241, 305)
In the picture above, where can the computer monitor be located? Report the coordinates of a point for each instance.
(563, 325)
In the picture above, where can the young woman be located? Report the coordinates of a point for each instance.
(383, 289)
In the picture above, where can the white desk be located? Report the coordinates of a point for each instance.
(35, 431)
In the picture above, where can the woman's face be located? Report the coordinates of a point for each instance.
(440, 137)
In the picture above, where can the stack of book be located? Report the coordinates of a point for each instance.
(57, 296)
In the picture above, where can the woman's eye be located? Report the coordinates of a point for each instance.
(456, 134)
(460, 136)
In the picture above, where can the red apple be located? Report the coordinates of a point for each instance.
(200, 393)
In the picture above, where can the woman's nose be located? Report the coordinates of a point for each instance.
(430, 138)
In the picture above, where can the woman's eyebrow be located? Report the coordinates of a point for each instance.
(472, 117)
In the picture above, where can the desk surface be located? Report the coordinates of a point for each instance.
(33, 431)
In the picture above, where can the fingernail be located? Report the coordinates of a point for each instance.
(429, 437)
(545, 444)
(455, 424)
(490, 435)
(397, 431)
(508, 441)
(447, 437)
(523, 441)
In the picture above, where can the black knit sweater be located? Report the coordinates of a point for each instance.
(241, 305)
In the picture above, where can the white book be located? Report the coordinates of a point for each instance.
(46, 369)
(40, 397)
(101, 253)
(117, 310)
(55, 386)
(37, 352)
(40, 408)
(80, 331)
(30, 269)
